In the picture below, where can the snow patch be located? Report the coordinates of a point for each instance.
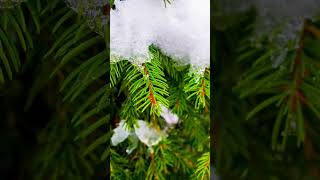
(273, 15)
(169, 116)
(93, 11)
(120, 134)
(181, 30)
(142, 130)
(146, 134)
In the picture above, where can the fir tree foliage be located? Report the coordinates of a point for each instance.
(203, 166)
(159, 83)
(62, 49)
(13, 26)
(144, 90)
(274, 97)
(162, 81)
(286, 86)
(90, 97)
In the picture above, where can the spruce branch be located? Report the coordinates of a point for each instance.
(148, 86)
(285, 86)
(13, 23)
(199, 89)
(203, 167)
(116, 71)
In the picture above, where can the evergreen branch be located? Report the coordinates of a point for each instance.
(167, 1)
(199, 88)
(116, 70)
(129, 113)
(288, 85)
(13, 23)
(76, 51)
(61, 157)
(64, 18)
(118, 164)
(147, 85)
(66, 35)
(178, 98)
(203, 167)
(99, 141)
(166, 155)
(59, 153)
(88, 130)
(77, 73)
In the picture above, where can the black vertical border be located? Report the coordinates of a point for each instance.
(212, 62)
(108, 126)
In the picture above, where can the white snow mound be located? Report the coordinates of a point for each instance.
(181, 30)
